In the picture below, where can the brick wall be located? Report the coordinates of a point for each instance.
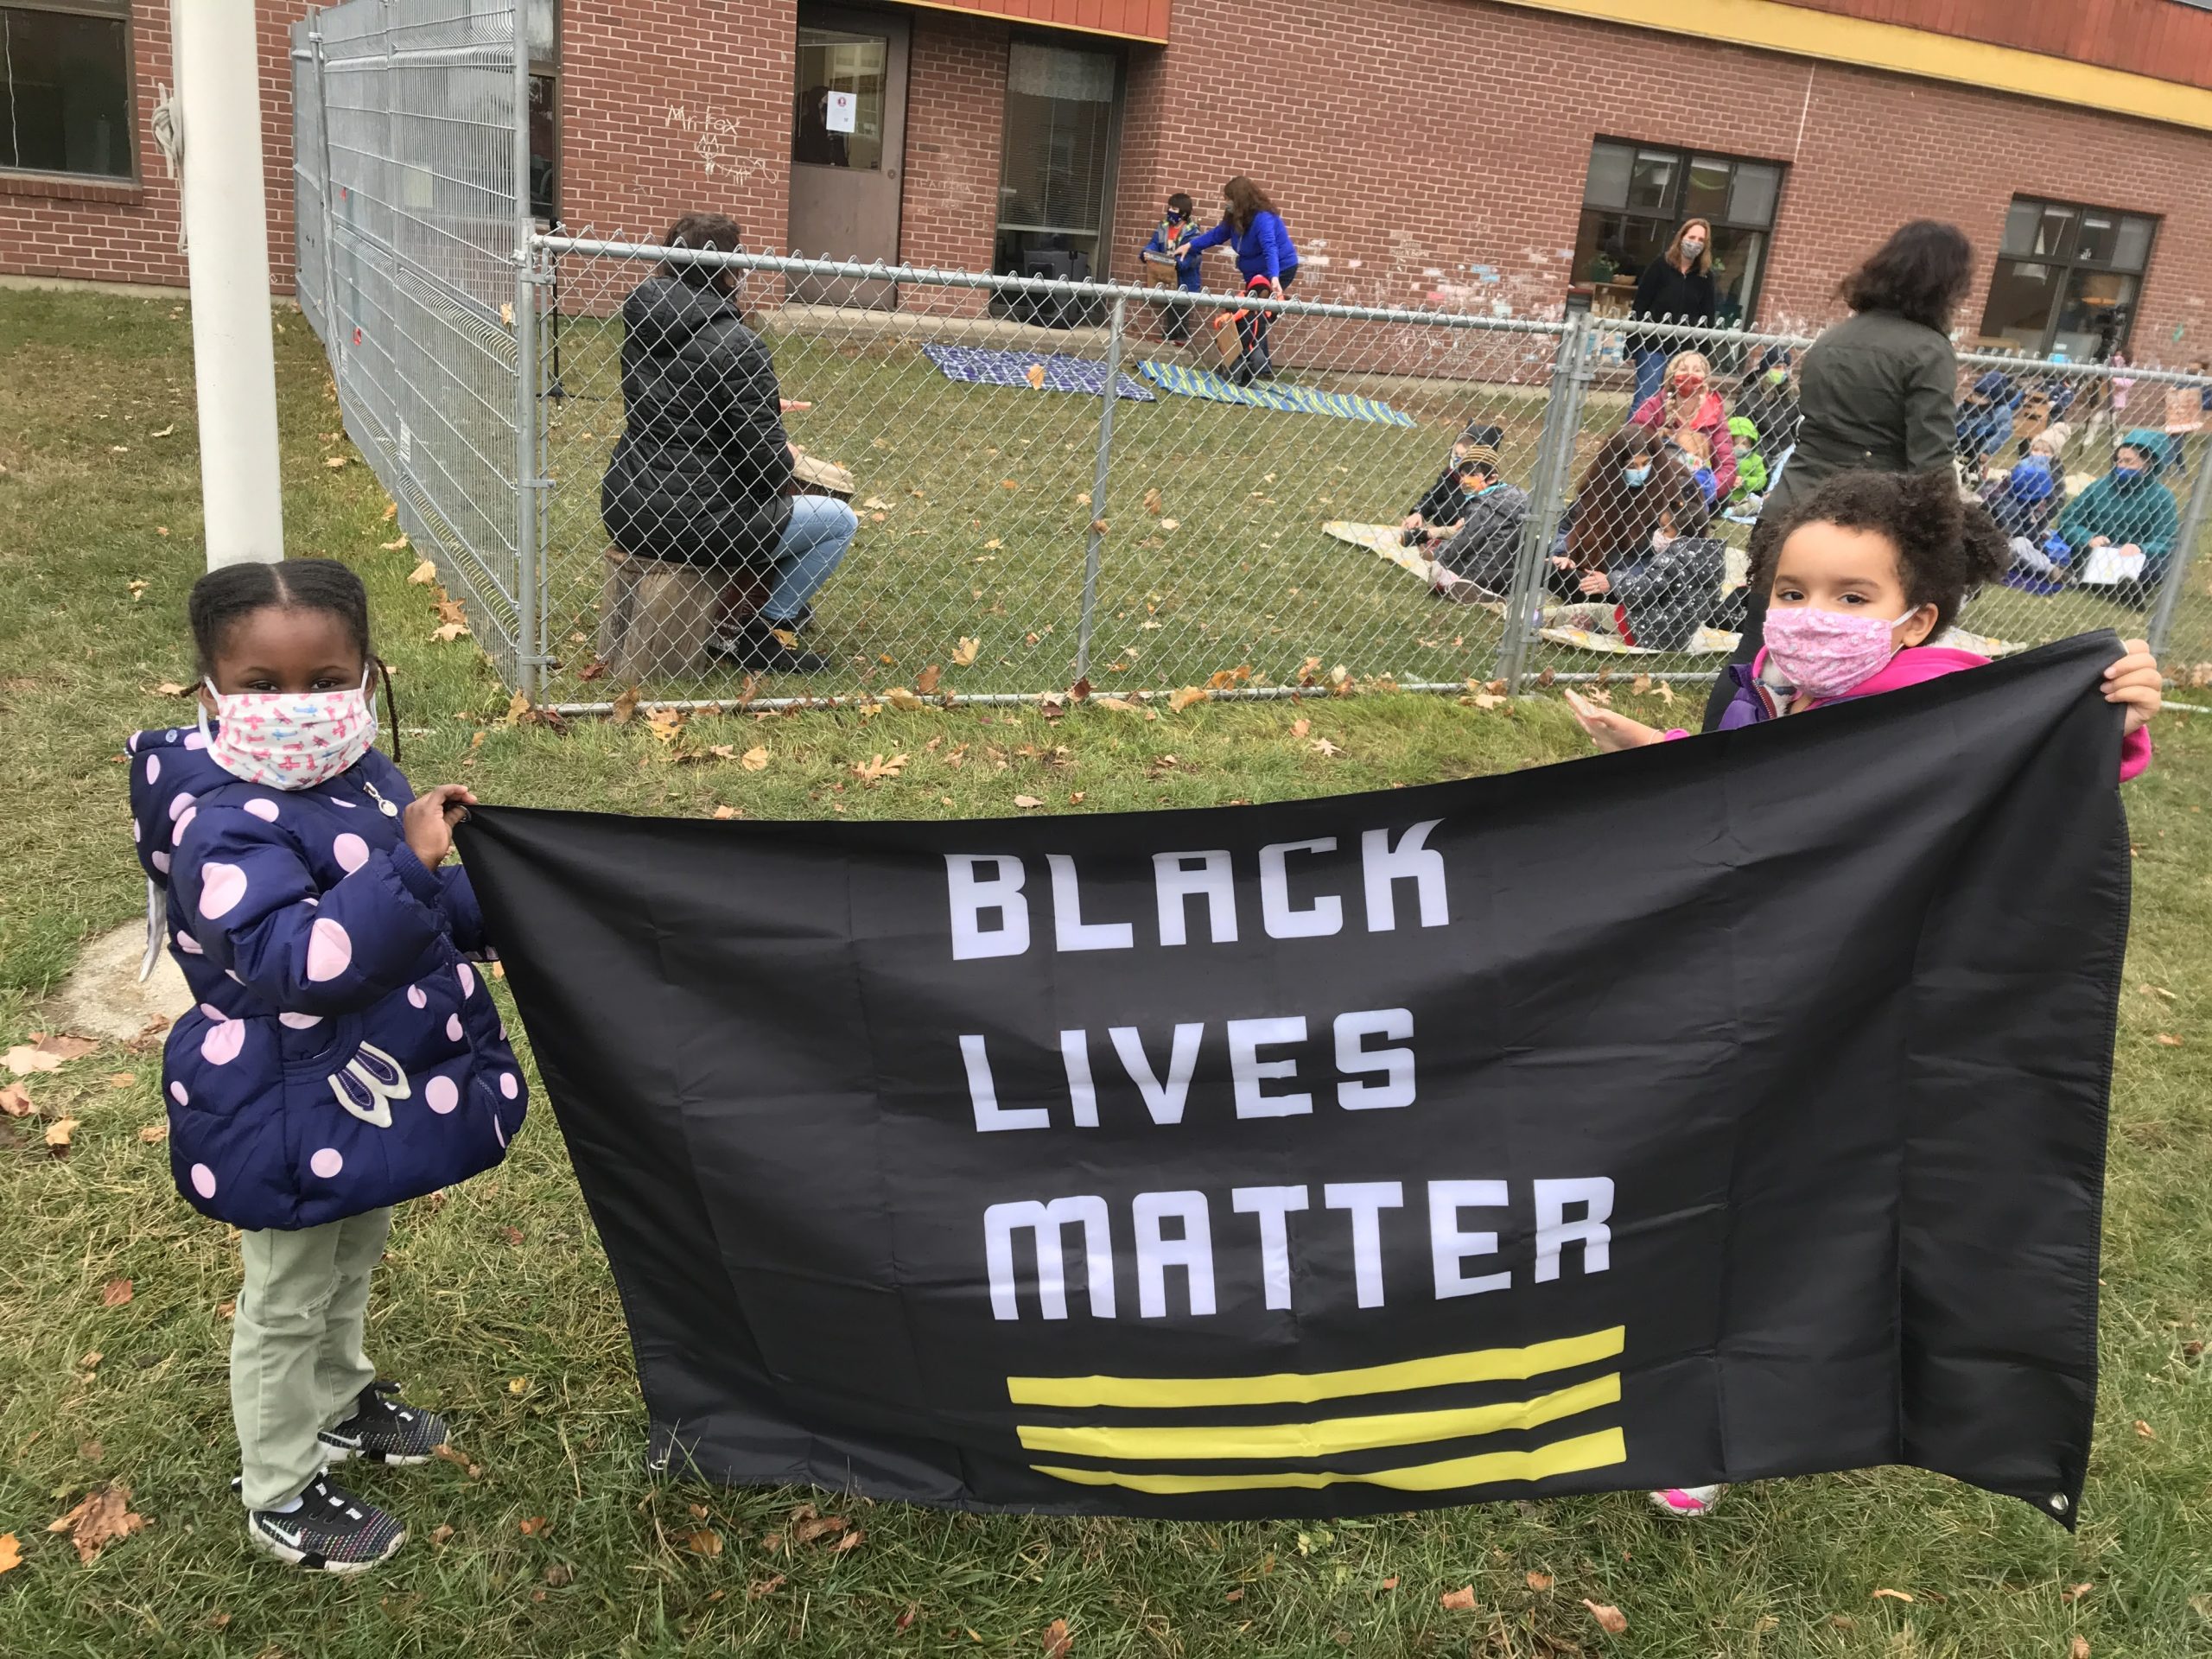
(677, 106)
(1408, 141)
(956, 111)
(126, 231)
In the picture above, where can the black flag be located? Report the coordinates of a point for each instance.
(1727, 1109)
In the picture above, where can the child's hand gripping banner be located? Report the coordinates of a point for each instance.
(1727, 1109)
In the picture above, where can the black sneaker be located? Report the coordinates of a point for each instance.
(763, 647)
(332, 1531)
(384, 1429)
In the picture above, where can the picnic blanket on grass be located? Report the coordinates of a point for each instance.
(1209, 387)
(985, 365)
(1385, 542)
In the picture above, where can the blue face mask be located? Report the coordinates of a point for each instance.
(2130, 474)
(1637, 477)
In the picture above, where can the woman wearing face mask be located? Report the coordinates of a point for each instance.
(1635, 536)
(1677, 287)
(341, 1055)
(2122, 529)
(1876, 393)
(1689, 415)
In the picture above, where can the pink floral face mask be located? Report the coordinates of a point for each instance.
(1824, 653)
(286, 740)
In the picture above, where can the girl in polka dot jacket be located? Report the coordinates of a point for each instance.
(342, 1054)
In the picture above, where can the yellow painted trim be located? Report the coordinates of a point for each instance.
(1330, 1438)
(1304, 1388)
(1564, 1458)
(1772, 26)
(1030, 23)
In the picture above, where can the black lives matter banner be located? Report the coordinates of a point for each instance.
(1733, 1107)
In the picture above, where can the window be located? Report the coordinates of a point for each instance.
(1638, 194)
(1056, 167)
(541, 38)
(842, 82)
(64, 88)
(2066, 275)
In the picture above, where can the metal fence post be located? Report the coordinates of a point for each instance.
(2193, 521)
(332, 334)
(1571, 376)
(1095, 543)
(530, 478)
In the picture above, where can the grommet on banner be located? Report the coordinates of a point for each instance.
(2058, 1502)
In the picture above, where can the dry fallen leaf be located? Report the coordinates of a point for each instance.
(851, 1541)
(1027, 801)
(2076, 1593)
(1058, 1644)
(445, 632)
(44, 1053)
(57, 1134)
(926, 681)
(2078, 1648)
(705, 1541)
(2144, 1430)
(878, 769)
(665, 724)
(391, 511)
(1300, 728)
(11, 1552)
(154, 1134)
(14, 1101)
(1178, 702)
(560, 1573)
(1322, 745)
(820, 1527)
(963, 654)
(447, 1453)
(1609, 1619)
(1461, 1600)
(334, 462)
(104, 1516)
(753, 760)
(1152, 503)
(424, 573)
(115, 1292)
(171, 689)
(1234, 1595)
(535, 1526)
(399, 546)
(1034, 374)
(121, 1079)
(626, 705)
(1893, 1595)
(2167, 1039)
(725, 812)
(900, 698)
(1170, 524)
(1540, 1580)
(767, 1586)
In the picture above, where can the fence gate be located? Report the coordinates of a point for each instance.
(410, 155)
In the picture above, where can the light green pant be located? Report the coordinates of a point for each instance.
(296, 1358)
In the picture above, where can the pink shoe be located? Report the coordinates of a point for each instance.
(1686, 1502)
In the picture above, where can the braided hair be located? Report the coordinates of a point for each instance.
(1945, 547)
(225, 596)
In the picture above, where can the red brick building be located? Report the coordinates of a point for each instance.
(1491, 154)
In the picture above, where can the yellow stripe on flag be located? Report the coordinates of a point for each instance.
(1330, 1438)
(1297, 1388)
(1566, 1457)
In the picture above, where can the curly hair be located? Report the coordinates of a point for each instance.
(707, 233)
(1920, 274)
(1611, 517)
(1945, 547)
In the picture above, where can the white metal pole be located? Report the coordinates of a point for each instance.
(226, 236)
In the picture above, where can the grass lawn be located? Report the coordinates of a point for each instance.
(495, 1304)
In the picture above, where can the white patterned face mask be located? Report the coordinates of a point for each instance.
(291, 740)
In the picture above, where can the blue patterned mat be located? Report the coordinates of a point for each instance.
(1292, 400)
(982, 366)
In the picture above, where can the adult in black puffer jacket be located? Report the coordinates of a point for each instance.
(1677, 287)
(702, 473)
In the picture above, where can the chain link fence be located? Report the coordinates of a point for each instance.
(1037, 484)
(408, 128)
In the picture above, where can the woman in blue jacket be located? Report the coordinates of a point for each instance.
(1265, 257)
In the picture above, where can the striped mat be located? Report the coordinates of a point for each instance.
(1204, 384)
(982, 366)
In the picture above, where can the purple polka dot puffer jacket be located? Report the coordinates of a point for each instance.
(343, 1054)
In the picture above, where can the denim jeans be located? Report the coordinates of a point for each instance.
(819, 530)
(1650, 375)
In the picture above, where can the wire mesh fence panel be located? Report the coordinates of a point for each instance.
(310, 254)
(1010, 535)
(415, 124)
(1647, 568)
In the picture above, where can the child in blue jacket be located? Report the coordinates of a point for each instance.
(1265, 256)
(1170, 245)
(342, 1055)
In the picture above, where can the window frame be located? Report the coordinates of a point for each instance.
(1685, 160)
(114, 11)
(547, 69)
(1099, 47)
(2064, 268)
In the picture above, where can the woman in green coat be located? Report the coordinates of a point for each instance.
(2122, 529)
(1877, 392)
